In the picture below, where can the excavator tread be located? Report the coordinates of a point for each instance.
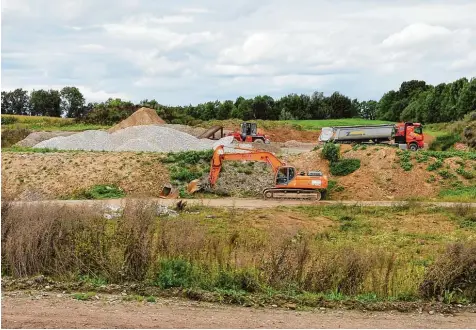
(291, 193)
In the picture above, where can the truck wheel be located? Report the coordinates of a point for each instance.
(413, 146)
(259, 141)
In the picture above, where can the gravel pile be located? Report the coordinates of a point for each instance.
(136, 138)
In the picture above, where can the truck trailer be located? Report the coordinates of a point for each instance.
(408, 134)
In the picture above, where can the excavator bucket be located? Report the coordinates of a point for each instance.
(169, 192)
(193, 186)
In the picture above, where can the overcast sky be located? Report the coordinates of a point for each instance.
(182, 52)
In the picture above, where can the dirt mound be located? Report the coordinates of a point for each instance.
(284, 134)
(37, 137)
(143, 116)
(37, 176)
(381, 177)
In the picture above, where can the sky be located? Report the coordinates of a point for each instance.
(186, 52)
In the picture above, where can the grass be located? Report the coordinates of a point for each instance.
(40, 123)
(463, 193)
(331, 252)
(318, 124)
(99, 192)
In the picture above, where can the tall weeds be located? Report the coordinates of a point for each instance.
(189, 251)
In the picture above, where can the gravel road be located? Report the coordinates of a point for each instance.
(243, 203)
(55, 310)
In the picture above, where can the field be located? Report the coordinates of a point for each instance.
(33, 123)
(308, 255)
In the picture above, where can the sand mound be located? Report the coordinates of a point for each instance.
(143, 116)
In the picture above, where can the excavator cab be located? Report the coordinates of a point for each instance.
(248, 129)
(284, 175)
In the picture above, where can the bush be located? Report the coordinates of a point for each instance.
(444, 142)
(174, 273)
(454, 271)
(344, 166)
(331, 152)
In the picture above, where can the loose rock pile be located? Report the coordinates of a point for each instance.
(151, 138)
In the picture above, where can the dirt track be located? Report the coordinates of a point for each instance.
(20, 310)
(243, 203)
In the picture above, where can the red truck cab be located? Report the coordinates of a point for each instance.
(410, 134)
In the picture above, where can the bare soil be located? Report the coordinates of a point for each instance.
(38, 176)
(57, 310)
(143, 116)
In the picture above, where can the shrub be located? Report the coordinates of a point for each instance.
(444, 142)
(437, 164)
(344, 166)
(174, 273)
(331, 152)
(453, 271)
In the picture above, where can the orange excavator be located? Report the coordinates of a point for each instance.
(289, 183)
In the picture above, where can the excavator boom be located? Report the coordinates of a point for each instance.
(289, 184)
(257, 156)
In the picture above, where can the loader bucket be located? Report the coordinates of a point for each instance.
(193, 186)
(169, 192)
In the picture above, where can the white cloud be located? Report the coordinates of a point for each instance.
(189, 53)
(415, 34)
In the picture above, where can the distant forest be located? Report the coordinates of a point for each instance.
(415, 100)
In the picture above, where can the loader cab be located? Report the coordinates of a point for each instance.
(284, 175)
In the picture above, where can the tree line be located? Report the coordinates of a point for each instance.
(414, 101)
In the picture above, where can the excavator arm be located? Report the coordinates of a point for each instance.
(219, 156)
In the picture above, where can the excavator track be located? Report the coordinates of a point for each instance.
(290, 193)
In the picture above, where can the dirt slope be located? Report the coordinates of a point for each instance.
(36, 176)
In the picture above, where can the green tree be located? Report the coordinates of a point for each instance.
(72, 102)
(467, 99)
(45, 103)
(16, 102)
(368, 109)
(225, 109)
(340, 106)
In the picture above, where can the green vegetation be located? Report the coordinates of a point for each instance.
(344, 167)
(465, 174)
(405, 160)
(444, 142)
(100, 192)
(413, 101)
(40, 123)
(338, 166)
(188, 165)
(333, 253)
(462, 193)
(331, 152)
(84, 296)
